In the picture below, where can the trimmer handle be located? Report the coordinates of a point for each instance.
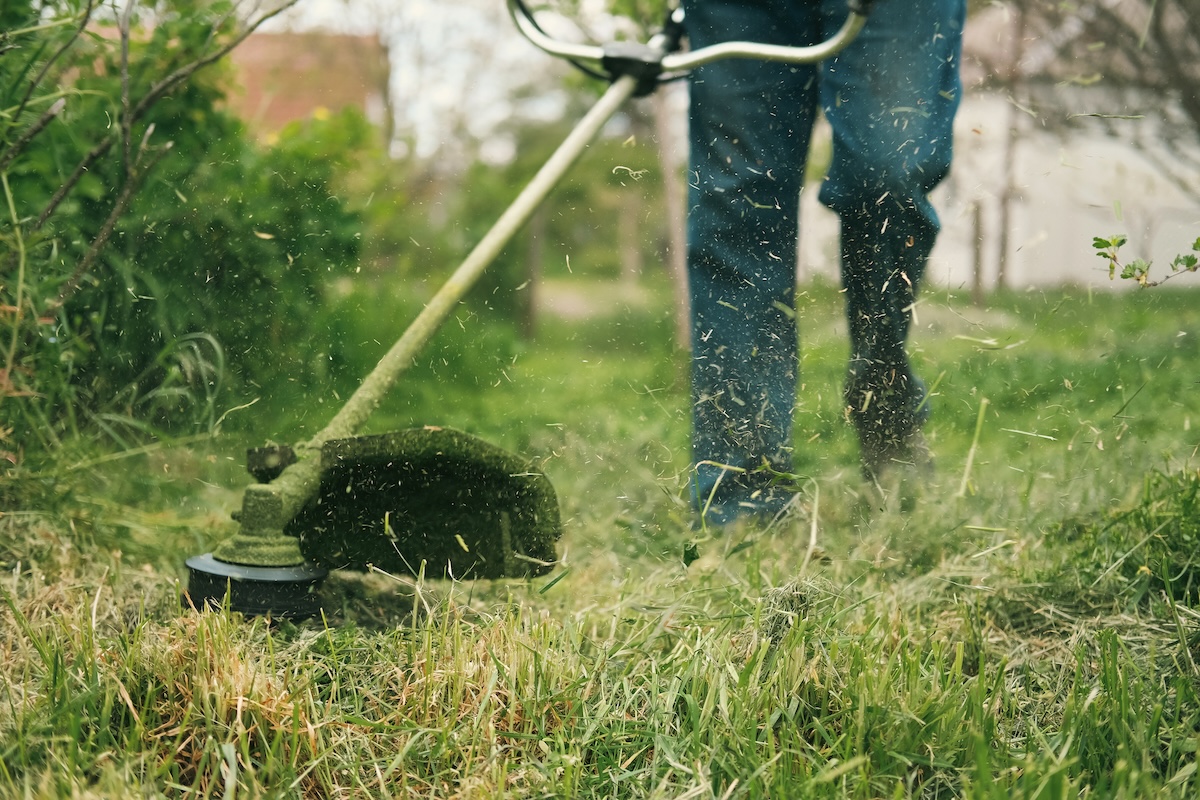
(655, 58)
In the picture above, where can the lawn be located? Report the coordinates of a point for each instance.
(1029, 629)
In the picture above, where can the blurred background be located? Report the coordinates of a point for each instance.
(213, 204)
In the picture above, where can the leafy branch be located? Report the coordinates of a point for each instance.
(1139, 269)
(131, 111)
(77, 124)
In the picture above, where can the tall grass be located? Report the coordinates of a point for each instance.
(1029, 629)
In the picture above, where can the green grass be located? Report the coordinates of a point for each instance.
(1030, 629)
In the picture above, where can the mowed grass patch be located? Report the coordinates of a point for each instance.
(1028, 629)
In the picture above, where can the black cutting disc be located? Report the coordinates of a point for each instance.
(289, 592)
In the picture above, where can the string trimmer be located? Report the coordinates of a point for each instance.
(434, 500)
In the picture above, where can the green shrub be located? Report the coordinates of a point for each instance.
(184, 259)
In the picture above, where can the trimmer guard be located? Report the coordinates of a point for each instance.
(436, 500)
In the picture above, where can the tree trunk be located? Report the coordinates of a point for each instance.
(1008, 193)
(977, 290)
(534, 258)
(629, 243)
(674, 200)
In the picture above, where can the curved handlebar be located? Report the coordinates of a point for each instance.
(681, 62)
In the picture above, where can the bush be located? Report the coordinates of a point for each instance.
(153, 251)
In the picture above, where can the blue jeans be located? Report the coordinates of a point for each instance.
(890, 99)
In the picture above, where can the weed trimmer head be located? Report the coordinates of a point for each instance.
(260, 570)
(428, 501)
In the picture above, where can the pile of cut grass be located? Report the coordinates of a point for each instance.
(1028, 630)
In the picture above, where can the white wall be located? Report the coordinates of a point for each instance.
(1068, 191)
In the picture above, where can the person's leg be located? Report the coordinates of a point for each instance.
(750, 125)
(890, 98)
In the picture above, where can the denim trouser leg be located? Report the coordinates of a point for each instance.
(749, 128)
(890, 100)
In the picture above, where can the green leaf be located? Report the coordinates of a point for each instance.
(1187, 262)
(1137, 270)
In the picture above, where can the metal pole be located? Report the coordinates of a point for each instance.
(370, 393)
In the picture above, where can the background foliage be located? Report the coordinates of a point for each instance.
(156, 280)
(218, 270)
(1099, 64)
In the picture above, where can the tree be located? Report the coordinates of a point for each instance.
(1110, 63)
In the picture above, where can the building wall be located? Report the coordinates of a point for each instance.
(283, 77)
(1069, 188)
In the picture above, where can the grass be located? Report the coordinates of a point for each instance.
(1030, 629)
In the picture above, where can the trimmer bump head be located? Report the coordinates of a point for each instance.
(280, 592)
